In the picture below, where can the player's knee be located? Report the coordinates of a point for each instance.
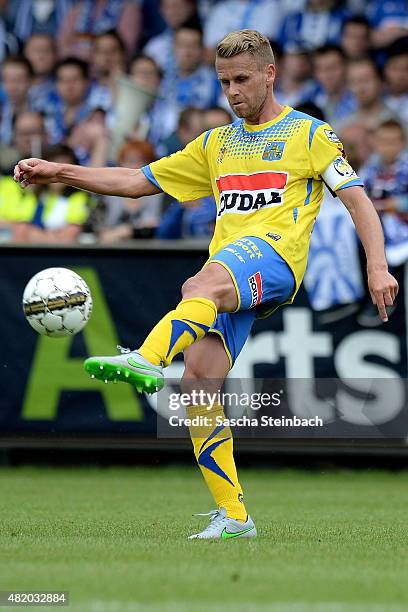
(195, 369)
(199, 378)
(194, 287)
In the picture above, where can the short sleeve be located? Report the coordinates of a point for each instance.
(183, 175)
(329, 160)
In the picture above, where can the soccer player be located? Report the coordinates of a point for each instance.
(266, 171)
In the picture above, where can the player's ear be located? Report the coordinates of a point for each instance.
(270, 73)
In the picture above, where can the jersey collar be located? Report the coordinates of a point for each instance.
(263, 126)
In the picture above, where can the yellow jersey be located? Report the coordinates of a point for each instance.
(267, 180)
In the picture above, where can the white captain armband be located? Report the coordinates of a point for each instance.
(339, 174)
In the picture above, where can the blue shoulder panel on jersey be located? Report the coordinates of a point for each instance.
(313, 126)
(149, 175)
(354, 183)
(206, 138)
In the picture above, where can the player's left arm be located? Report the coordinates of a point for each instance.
(330, 164)
(382, 285)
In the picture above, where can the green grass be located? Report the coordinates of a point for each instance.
(116, 539)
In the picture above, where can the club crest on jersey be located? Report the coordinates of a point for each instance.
(273, 151)
(255, 286)
(246, 193)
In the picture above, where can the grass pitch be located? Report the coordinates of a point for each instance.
(116, 540)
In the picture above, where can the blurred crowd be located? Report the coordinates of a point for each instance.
(123, 82)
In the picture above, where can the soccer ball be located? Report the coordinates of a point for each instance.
(57, 302)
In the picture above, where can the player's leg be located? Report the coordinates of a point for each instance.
(204, 295)
(206, 366)
(210, 291)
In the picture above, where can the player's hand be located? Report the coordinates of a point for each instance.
(383, 290)
(35, 171)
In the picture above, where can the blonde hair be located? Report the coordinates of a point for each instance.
(246, 41)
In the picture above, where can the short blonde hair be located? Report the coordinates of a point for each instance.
(246, 41)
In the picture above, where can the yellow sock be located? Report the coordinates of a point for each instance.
(213, 448)
(188, 323)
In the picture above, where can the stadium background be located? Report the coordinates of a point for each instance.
(125, 82)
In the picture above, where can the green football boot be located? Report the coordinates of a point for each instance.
(129, 366)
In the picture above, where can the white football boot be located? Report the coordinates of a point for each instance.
(223, 528)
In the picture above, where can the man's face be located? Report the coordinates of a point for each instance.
(216, 117)
(29, 131)
(107, 57)
(40, 51)
(192, 129)
(330, 71)
(389, 142)
(16, 82)
(296, 66)
(396, 74)
(176, 12)
(320, 5)
(145, 73)
(364, 83)
(188, 50)
(355, 40)
(245, 83)
(71, 84)
(357, 144)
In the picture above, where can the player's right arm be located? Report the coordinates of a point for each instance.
(124, 182)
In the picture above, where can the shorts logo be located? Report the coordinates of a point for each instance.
(273, 151)
(274, 236)
(255, 285)
(332, 136)
(246, 193)
(342, 167)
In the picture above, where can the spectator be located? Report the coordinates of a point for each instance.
(33, 17)
(193, 83)
(152, 125)
(295, 84)
(319, 24)
(29, 140)
(386, 181)
(74, 104)
(128, 218)
(188, 220)
(175, 13)
(334, 96)
(197, 218)
(386, 173)
(153, 22)
(51, 213)
(189, 126)
(263, 15)
(90, 18)
(8, 42)
(357, 142)
(311, 109)
(356, 37)
(146, 73)
(90, 139)
(389, 21)
(396, 80)
(108, 59)
(17, 78)
(365, 84)
(215, 116)
(41, 51)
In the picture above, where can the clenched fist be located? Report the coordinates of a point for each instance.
(35, 171)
